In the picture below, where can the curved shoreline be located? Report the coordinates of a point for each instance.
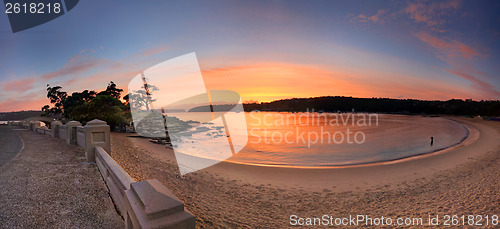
(381, 162)
(482, 139)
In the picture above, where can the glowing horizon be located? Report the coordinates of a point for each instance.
(265, 51)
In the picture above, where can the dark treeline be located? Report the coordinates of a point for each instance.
(382, 105)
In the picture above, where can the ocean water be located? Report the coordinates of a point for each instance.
(330, 139)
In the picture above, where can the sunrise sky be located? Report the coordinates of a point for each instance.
(265, 50)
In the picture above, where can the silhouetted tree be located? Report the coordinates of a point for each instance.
(56, 97)
(76, 99)
(112, 91)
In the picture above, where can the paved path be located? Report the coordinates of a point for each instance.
(10, 144)
(49, 185)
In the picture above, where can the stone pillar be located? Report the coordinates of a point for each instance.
(71, 131)
(149, 204)
(97, 133)
(55, 128)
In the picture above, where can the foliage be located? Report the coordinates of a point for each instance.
(56, 97)
(103, 107)
(112, 91)
(88, 105)
(77, 99)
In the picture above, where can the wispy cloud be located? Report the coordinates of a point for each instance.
(486, 88)
(460, 56)
(76, 65)
(449, 48)
(431, 13)
(154, 51)
(19, 85)
(14, 104)
(376, 18)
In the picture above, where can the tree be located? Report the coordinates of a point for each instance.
(76, 99)
(103, 107)
(112, 91)
(56, 97)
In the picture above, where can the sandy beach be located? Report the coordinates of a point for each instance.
(462, 180)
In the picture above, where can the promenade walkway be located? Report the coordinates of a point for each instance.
(49, 185)
(10, 144)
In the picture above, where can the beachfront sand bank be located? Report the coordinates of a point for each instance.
(462, 180)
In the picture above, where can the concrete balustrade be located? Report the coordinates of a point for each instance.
(151, 205)
(80, 136)
(96, 134)
(143, 204)
(71, 132)
(63, 132)
(55, 128)
(117, 180)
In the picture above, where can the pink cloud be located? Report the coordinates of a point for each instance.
(17, 105)
(376, 18)
(485, 87)
(78, 64)
(459, 55)
(450, 48)
(430, 13)
(154, 51)
(19, 85)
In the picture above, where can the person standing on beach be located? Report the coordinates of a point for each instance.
(432, 140)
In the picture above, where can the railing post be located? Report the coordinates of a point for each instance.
(97, 133)
(152, 205)
(71, 131)
(55, 128)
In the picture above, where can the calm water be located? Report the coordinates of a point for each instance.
(317, 140)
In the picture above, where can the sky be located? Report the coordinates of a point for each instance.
(264, 50)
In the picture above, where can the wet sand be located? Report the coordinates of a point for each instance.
(464, 179)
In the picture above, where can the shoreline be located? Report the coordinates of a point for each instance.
(366, 176)
(235, 195)
(471, 136)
